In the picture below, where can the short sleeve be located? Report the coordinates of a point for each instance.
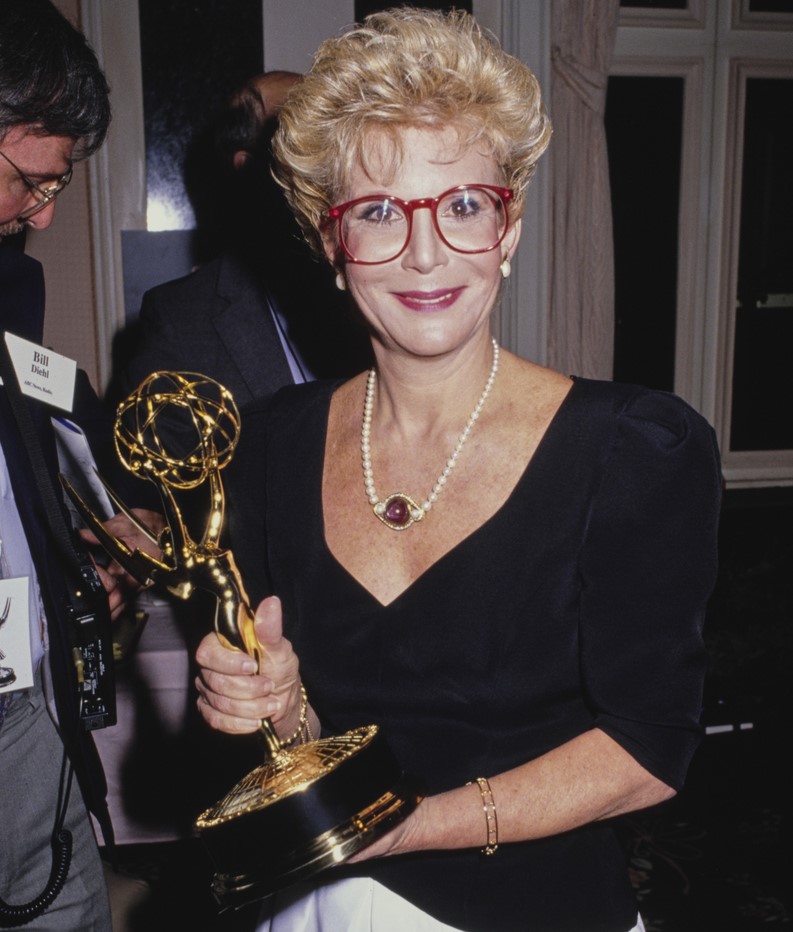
(648, 565)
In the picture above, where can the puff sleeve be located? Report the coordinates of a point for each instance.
(648, 565)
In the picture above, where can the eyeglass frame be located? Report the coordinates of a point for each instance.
(47, 194)
(337, 213)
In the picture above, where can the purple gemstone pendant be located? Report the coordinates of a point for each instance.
(398, 511)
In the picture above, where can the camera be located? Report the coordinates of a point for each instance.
(92, 652)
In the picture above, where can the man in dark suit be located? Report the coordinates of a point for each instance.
(264, 312)
(54, 110)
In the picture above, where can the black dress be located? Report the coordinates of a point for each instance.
(577, 605)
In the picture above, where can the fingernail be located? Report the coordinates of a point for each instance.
(249, 666)
(273, 706)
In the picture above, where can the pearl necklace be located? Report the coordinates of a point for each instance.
(398, 511)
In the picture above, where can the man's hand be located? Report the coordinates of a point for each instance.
(118, 584)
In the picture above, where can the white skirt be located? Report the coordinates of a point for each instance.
(357, 904)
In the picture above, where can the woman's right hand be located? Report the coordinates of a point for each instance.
(233, 697)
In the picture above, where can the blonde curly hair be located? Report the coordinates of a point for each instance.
(405, 67)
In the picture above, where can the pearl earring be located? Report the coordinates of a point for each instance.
(506, 267)
(341, 283)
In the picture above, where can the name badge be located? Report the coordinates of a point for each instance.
(16, 665)
(42, 373)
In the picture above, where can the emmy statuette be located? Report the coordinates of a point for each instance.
(308, 806)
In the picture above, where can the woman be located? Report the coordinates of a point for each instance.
(503, 567)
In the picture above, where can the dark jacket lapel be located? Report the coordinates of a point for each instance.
(244, 324)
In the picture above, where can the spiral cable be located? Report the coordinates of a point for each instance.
(61, 843)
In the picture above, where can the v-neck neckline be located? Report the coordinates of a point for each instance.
(539, 452)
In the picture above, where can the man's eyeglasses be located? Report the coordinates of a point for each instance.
(44, 195)
(470, 218)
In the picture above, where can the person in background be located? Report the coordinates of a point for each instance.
(503, 567)
(263, 313)
(54, 111)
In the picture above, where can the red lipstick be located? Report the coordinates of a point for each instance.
(437, 300)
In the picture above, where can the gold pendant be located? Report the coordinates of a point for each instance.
(398, 511)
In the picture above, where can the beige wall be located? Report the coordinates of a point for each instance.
(65, 252)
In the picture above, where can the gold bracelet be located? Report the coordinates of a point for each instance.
(489, 807)
(303, 727)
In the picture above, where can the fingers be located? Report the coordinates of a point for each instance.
(120, 527)
(113, 572)
(153, 520)
(232, 696)
(212, 656)
(116, 592)
(89, 537)
(415, 833)
(395, 841)
(233, 704)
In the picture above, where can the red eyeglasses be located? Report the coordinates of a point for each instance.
(470, 218)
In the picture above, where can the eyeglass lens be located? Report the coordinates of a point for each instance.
(468, 220)
(43, 194)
